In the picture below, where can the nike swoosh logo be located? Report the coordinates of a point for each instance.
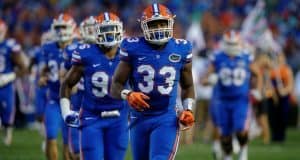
(133, 117)
(89, 118)
(142, 58)
(96, 65)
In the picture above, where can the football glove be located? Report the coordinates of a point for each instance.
(137, 100)
(186, 118)
(72, 120)
(70, 117)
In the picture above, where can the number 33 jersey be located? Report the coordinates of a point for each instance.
(97, 74)
(233, 74)
(156, 72)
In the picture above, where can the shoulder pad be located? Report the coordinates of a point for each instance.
(72, 46)
(185, 45)
(13, 45)
(130, 43)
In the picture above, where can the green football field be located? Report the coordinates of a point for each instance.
(27, 146)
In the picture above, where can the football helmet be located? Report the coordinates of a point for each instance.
(231, 43)
(3, 30)
(109, 29)
(87, 29)
(63, 26)
(157, 24)
(47, 36)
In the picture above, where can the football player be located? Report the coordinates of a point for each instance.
(87, 33)
(11, 56)
(36, 64)
(63, 27)
(232, 67)
(154, 65)
(103, 120)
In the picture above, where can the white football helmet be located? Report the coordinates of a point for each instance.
(231, 43)
(87, 29)
(63, 26)
(157, 24)
(109, 29)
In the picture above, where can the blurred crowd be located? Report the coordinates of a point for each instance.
(28, 19)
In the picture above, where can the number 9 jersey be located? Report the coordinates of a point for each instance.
(156, 73)
(233, 73)
(97, 74)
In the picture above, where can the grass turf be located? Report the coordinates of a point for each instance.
(27, 146)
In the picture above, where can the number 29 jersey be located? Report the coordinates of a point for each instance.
(233, 74)
(156, 72)
(97, 74)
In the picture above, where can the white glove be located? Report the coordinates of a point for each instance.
(70, 117)
(7, 78)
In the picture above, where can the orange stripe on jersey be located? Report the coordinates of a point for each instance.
(175, 146)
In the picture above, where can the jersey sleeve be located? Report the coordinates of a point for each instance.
(251, 57)
(68, 56)
(127, 47)
(13, 45)
(44, 52)
(187, 49)
(76, 58)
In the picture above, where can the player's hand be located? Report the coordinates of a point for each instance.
(72, 119)
(43, 81)
(137, 100)
(186, 118)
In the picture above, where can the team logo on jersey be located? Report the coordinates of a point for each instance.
(174, 57)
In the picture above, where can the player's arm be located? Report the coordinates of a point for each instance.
(121, 75)
(259, 81)
(18, 59)
(43, 75)
(188, 95)
(71, 79)
(210, 78)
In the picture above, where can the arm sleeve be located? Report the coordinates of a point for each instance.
(125, 48)
(77, 59)
(188, 56)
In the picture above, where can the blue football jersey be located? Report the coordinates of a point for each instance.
(68, 60)
(8, 47)
(98, 72)
(37, 54)
(53, 56)
(156, 72)
(233, 73)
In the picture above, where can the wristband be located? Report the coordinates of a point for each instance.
(124, 93)
(188, 104)
(65, 107)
